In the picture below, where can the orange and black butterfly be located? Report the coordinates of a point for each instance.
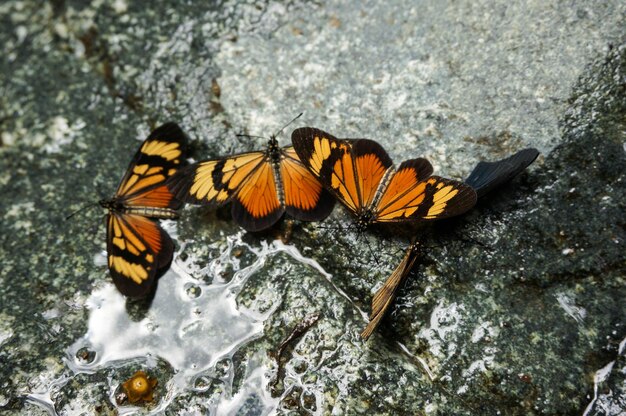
(261, 186)
(361, 175)
(485, 177)
(137, 247)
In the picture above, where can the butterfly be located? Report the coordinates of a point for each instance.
(261, 187)
(485, 177)
(137, 247)
(384, 297)
(361, 175)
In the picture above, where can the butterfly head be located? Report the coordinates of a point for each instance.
(111, 204)
(272, 144)
(364, 220)
(273, 149)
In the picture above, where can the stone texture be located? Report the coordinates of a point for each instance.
(516, 308)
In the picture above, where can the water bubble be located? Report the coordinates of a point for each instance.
(193, 290)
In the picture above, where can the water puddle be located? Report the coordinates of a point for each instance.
(194, 324)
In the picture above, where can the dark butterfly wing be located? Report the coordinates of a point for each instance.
(137, 249)
(158, 158)
(487, 176)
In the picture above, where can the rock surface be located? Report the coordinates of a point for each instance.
(516, 308)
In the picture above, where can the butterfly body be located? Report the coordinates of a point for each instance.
(361, 175)
(115, 205)
(261, 186)
(275, 156)
(138, 248)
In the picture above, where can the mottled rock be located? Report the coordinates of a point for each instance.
(515, 308)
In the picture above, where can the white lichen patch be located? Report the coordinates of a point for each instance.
(484, 330)
(482, 364)
(568, 303)
(60, 133)
(19, 210)
(120, 6)
(17, 216)
(444, 322)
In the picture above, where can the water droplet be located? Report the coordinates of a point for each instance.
(192, 290)
(85, 355)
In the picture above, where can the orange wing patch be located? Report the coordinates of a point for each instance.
(258, 193)
(302, 190)
(401, 197)
(144, 230)
(370, 172)
(433, 198)
(344, 183)
(237, 169)
(322, 150)
(203, 186)
(213, 182)
(351, 169)
(159, 197)
(304, 197)
(138, 181)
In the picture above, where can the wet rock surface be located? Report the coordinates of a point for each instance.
(516, 308)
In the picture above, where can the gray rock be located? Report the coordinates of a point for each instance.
(515, 308)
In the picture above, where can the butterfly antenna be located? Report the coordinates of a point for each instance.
(326, 230)
(81, 209)
(361, 233)
(287, 125)
(372, 253)
(100, 190)
(249, 136)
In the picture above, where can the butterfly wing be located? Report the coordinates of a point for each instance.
(158, 158)
(137, 248)
(213, 182)
(487, 176)
(351, 169)
(384, 297)
(411, 194)
(247, 180)
(305, 198)
(256, 205)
